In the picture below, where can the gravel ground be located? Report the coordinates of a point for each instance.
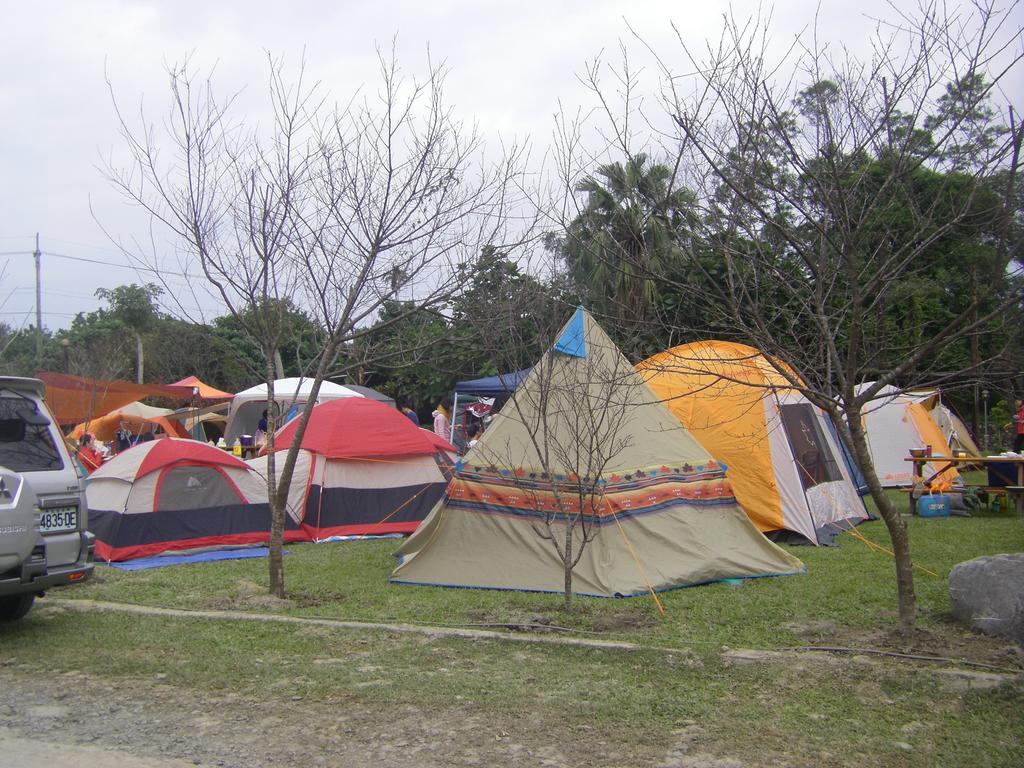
(78, 720)
(52, 720)
(41, 753)
(153, 720)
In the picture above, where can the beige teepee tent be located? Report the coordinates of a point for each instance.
(657, 509)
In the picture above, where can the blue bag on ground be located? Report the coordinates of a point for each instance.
(933, 505)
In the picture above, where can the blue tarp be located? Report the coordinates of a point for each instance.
(160, 561)
(363, 537)
(492, 386)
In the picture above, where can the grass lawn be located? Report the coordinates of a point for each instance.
(847, 590)
(839, 710)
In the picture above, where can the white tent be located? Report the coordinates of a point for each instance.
(958, 436)
(248, 405)
(897, 423)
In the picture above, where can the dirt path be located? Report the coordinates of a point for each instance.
(79, 719)
(427, 631)
(1007, 653)
(43, 753)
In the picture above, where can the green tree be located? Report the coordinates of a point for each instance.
(420, 356)
(18, 355)
(298, 348)
(497, 292)
(405, 354)
(177, 348)
(965, 123)
(134, 306)
(95, 346)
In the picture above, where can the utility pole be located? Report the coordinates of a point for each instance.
(39, 308)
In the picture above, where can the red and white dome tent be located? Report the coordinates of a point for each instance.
(175, 495)
(363, 469)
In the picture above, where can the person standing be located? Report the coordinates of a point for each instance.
(410, 414)
(123, 438)
(443, 419)
(1018, 422)
(259, 440)
(88, 455)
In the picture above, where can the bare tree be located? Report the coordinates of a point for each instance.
(829, 186)
(402, 197)
(228, 195)
(339, 211)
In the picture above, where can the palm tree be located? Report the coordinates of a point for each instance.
(626, 235)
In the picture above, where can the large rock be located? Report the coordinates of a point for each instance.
(988, 592)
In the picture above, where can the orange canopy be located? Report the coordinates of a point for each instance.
(72, 399)
(206, 392)
(136, 417)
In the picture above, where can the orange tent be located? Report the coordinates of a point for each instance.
(72, 399)
(138, 418)
(786, 465)
(206, 392)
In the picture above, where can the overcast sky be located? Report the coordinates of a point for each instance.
(511, 64)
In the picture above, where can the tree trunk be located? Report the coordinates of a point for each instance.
(277, 505)
(139, 358)
(894, 522)
(278, 364)
(567, 564)
(279, 500)
(975, 351)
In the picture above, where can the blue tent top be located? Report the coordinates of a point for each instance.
(573, 341)
(490, 386)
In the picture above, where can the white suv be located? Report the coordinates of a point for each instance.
(43, 517)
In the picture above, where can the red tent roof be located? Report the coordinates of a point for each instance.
(358, 427)
(439, 442)
(171, 451)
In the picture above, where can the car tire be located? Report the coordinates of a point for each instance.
(13, 608)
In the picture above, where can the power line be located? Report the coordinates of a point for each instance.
(101, 262)
(49, 292)
(37, 253)
(29, 312)
(122, 266)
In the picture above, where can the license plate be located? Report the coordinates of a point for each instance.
(58, 519)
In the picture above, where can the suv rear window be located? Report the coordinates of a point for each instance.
(25, 447)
